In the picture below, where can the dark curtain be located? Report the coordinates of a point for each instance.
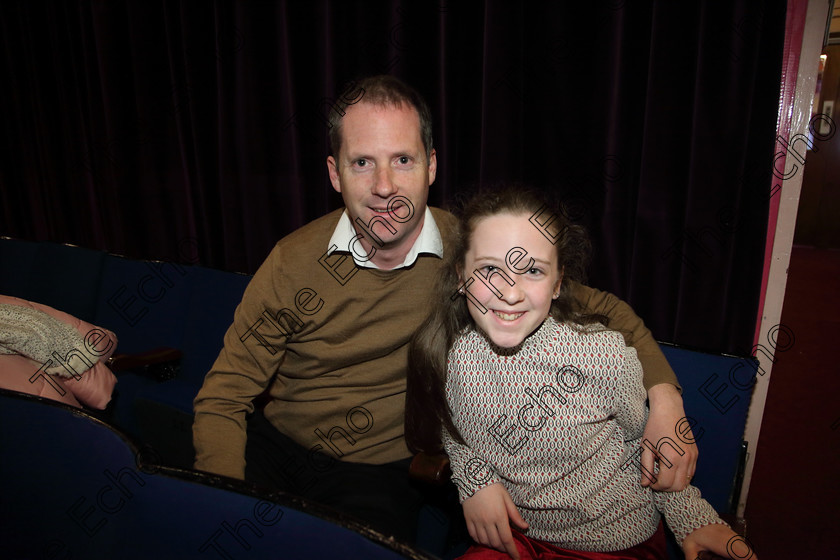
(196, 131)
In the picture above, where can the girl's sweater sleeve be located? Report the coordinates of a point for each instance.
(470, 473)
(684, 511)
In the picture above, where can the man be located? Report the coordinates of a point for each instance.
(325, 323)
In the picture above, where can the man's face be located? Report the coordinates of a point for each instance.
(382, 163)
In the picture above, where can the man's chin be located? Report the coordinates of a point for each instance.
(389, 243)
(383, 238)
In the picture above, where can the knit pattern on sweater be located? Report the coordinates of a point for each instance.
(557, 421)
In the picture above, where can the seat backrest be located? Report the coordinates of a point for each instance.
(148, 304)
(71, 486)
(62, 276)
(214, 295)
(143, 302)
(716, 394)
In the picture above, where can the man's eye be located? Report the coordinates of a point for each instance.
(361, 163)
(404, 160)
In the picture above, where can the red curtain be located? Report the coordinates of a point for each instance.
(195, 130)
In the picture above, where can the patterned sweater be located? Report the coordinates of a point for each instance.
(559, 421)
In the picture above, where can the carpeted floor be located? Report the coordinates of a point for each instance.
(793, 509)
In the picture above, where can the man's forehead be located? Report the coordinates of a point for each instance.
(380, 109)
(373, 122)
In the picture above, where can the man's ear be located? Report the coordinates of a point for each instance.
(332, 168)
(432, 166)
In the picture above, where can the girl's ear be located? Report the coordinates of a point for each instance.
(558, 284)
(459, 269)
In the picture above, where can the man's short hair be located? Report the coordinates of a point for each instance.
(385, 91)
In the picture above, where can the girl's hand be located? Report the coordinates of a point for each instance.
(719, 539)
(487, 513)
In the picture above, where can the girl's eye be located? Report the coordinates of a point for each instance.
(488, 269)
(534, 271)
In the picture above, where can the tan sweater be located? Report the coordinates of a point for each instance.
(332, 347)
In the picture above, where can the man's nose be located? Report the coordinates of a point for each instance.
(384, 186)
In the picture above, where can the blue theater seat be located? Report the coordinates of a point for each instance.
(148, 305)
(73, 487)
(717, 390)
(62, 276)
(152, 304)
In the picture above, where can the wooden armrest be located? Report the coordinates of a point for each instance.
(160, 363)
(433, 469)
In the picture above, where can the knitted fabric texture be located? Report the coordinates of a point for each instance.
(558, 421)
(36, 335)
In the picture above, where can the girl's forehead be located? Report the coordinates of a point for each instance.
(507, 230)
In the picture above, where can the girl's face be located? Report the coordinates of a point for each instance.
(511, 276)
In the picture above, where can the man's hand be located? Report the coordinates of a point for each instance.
(718, 539)
(665, 421)
(487, 513)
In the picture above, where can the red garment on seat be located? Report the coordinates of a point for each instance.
(530, 549)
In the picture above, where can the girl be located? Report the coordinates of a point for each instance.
(542, 408)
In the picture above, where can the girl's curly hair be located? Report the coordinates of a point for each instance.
(426, 408)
